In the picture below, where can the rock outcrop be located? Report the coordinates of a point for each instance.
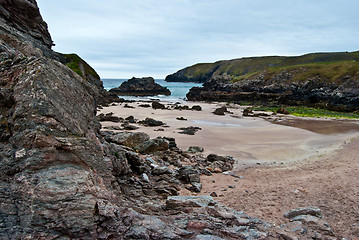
(283, 88)
(325, 80)
(140, 87)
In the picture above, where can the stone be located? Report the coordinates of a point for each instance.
(150, 122)
(181, 202)
(189, 130)
(108, 117)
(195, 187)
(128, 139)
(145, 178)
(188, 174)
(220, 111)
(131, 119)
(153, 145)
(181, 119)
(129, 127)
(213, 194)
(158, 105)
(140, 87)
(282, 110)
(247, 112)
(196, 108)
(313, 211)
(161, 170)
(219, 164)
(195, 149)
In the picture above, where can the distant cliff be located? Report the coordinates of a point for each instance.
(325, 80)
(242, 67)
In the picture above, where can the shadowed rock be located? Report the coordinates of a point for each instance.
(141, 87)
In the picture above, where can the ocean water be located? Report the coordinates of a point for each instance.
(178, 89)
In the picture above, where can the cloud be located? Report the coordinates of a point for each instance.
(122, 38)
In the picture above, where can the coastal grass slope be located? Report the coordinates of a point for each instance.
(243, 68)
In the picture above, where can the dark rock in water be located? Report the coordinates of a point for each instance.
(158, 105)
(189, 130)
(141, 87)
(150, 122)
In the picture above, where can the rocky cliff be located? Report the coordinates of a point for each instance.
(333, 86)
(325, 80)
(241, 68)
(60, 178)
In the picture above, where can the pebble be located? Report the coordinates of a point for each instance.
(213, 194)
(231, 186)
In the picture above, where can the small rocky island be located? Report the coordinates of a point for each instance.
(141, 87)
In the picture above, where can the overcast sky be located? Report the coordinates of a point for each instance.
(125, 38)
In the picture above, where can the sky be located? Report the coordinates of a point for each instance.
(126, 38)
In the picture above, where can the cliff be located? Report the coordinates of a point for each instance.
(325, 80)
(332, 85)
(242, 67)
(52, 175)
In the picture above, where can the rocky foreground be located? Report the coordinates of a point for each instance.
(62, 178)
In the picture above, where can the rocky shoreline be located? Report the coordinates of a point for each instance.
(62, 177)
(279, 90)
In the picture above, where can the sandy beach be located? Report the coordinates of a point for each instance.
(296, 162)
(249, 140)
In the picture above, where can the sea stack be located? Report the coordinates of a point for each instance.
(140, 87)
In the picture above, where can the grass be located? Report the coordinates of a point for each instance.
(244, 68)
(328, 71)
(310, 112)
(76, 64)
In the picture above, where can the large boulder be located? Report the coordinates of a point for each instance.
(141, 87)
(129, 139)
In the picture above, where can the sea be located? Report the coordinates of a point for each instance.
(178, 90)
